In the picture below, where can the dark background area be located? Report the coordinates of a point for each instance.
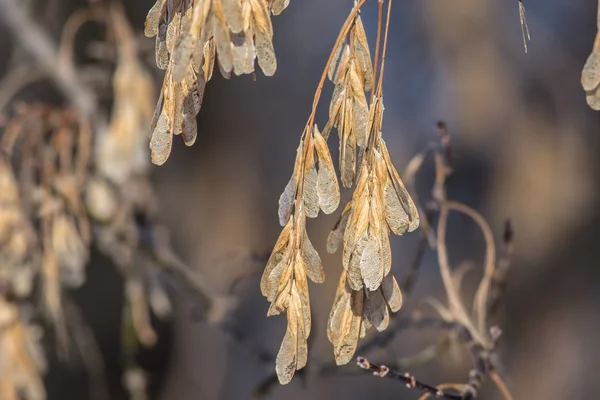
(525, 146)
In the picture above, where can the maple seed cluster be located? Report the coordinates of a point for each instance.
(190, 36)
(380, 203)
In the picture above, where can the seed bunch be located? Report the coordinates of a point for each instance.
(190, 36)
(367, 288)
(352, 74)
(313, 186)
(380, 203)
(590, 76)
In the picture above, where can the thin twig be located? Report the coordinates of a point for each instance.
(377, 44)
(409, 380)
(482, 294)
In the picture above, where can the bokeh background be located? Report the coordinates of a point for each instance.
(525, 147)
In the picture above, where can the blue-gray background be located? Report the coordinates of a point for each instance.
(525, 146)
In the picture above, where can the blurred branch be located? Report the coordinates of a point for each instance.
(498, 286)
(37, 43)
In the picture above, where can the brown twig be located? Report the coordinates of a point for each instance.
(409, 380)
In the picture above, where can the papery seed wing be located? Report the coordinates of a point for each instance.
(222, 39)
(361, 51)
(355, 229)
(152, 19)
(327, 186)
(285, 364)
(276, 257)
(337, 56)
(391, 292)
(355, 278)
(345, 350)
(335, 236)
(286, 201)
(360, 109)
(403, 196)
(303, 329)
(189, 129)
(301, 289)
(341, 72)
(593, 100)
(309, 188)
(281, 300)
(386, 251)
(265, 52)
(210, 49)
(348, 147)
(162, 54)
(590, 75)
(233, 14)
(371, 263)
(341, 302)
(161, 140)
(243, 55)
(395, 215)
(278, 6)
(376, 310)
(312, 261)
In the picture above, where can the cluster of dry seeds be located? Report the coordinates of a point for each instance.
(190, 36)
(367, 288)
(380, 203)
(590, 76)
(294, 258)
(62, 193)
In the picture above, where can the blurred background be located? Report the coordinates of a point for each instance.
(525, 147)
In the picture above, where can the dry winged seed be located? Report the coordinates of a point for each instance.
(391, 292)
(277, 6)
(190, 129)
(287, 358)
(386, 251)
(233, 14)
(182, 56)
(209, 50)
(265, 52)
(161, 140)
(301, 286)
(243, 57)
(376, 310)
(224, 47)
(312, 261)
(286, 201)
(309, 187)
(349, 329)
(593, 100)
(360, 108)
(341, 301)
(395, 215)
(281, 254)
(152, 20)
(371, 265)
(327, 187)
(590, 76)
(355, 278)
(406, 201)
(336, 235)
(363, 57)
